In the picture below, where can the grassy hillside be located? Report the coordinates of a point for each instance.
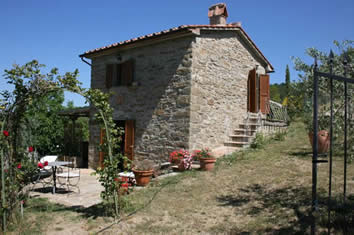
(263, 191)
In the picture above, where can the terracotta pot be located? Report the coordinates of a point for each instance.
(142, 177)
(181, 166)
(207, 164)
(323, 141)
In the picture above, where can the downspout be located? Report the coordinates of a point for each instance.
(82, 58)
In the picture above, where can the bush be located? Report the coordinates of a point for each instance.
(259, 141)
(279, 136)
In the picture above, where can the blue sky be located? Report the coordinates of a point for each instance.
(56, 32)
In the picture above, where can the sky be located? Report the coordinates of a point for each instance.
(56, 32)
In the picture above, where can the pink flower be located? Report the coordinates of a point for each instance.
(40, 165)
(30, 149)
(19, 166)
(6, 133)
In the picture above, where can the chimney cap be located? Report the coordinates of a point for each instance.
(218, 9)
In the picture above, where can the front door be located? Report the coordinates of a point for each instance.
(264, 95)
(129, 139)
(252, 92)
(127, 144)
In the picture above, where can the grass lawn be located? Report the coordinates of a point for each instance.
(252, 192)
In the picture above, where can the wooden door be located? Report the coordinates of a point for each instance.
(129, 139)
(264, 93)
(252, 91)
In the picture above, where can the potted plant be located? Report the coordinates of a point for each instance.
(207, 160)
(143, 170)
(182, 158)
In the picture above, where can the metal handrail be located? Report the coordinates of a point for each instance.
(276, 112)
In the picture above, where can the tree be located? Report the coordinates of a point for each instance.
(45, 128)
(287, 80)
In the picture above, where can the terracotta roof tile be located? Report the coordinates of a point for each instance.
(171, 30)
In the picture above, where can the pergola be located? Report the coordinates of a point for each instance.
(74, 114)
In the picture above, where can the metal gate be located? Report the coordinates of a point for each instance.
(315, 158)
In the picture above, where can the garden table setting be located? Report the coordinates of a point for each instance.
(54, 166)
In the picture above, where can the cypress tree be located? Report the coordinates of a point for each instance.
(287, 80)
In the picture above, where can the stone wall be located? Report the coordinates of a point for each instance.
(159, 101)
(221, 63)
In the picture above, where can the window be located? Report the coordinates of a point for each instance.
(119, 74)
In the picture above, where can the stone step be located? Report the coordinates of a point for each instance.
(250, 124)
(241, 136)
(237, 144)
(244, 131)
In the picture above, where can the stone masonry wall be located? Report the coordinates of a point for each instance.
(221, 63)
(159, 103)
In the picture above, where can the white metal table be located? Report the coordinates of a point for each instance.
(54, 166)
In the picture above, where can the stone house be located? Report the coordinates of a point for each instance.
(185, 87)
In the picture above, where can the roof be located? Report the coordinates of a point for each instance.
(181, 28)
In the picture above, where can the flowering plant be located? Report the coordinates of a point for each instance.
(182, 157)
(6, 133)
(204, 153)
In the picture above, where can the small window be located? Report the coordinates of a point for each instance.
(119, 74)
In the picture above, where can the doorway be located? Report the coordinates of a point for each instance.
(126, 145)
(258, 92)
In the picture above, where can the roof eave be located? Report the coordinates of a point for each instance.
(183, 32)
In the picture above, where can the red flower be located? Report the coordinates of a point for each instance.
(40, 165)
(125, 185)
(19, 166)
(30, 149)
(46, 163)
(6, 133)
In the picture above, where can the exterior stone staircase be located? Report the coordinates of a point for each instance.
(245, 133)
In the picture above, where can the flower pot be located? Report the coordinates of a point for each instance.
(323, 141)
(142, 177)
(207, 164)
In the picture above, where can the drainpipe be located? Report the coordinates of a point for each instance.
(82, 58)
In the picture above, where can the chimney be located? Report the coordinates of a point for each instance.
(217, 14)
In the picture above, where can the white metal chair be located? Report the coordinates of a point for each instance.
(46, 171)
(69, 176)
(48, 158)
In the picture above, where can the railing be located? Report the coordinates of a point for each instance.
(276, 112)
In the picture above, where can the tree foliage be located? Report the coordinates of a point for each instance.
(287, 80)
(44, 128)
(302, 91)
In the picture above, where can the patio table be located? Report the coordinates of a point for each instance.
(54, 166)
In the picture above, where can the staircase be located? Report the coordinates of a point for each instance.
(245, 133)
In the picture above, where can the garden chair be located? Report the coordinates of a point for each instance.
(69, 177)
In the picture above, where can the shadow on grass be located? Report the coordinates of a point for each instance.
(43, 205)
(287, 210)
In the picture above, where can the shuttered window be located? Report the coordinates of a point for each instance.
(120, 74)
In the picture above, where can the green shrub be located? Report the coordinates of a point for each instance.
(279, 136)
(259, 141)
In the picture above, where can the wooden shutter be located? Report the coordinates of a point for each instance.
(127, 72)
(129, 139)
(109, 75)
(101, 153)
(264, 92)
(252, 94)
